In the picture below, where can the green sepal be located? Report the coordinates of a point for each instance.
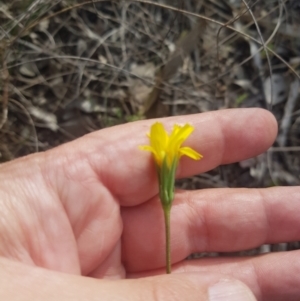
(166, 176)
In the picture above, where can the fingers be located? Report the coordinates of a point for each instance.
(82, 183)
(215, 220)
(271, 277)
(37, 284)
(221, 137)
(274, 276)
(129, 173)
(111, 157)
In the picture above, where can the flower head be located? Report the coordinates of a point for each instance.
(167, 147)
(167, 150)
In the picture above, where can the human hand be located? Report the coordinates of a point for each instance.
(90, 208)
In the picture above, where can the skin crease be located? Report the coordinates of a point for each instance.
(90, 208)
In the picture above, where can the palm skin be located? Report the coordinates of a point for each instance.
(90, 207)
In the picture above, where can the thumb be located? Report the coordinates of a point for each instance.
(185, 286)
(40, 284)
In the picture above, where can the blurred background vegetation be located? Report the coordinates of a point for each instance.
(71, 67)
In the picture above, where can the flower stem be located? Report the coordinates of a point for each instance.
(167, 211)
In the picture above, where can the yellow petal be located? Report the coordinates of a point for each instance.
(180, 135)
(175, 130)
(153, 151)
(158, 137)
(187, 151)
(184, 132)
(146, 148)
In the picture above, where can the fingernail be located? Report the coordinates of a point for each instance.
(227, 290)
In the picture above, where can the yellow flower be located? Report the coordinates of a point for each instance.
(168, 147)
(167, 151)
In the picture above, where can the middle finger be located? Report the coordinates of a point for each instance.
(212, 220)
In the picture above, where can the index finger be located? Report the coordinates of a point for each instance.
(222, 137)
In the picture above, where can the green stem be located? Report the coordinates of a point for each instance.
(167, 211)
